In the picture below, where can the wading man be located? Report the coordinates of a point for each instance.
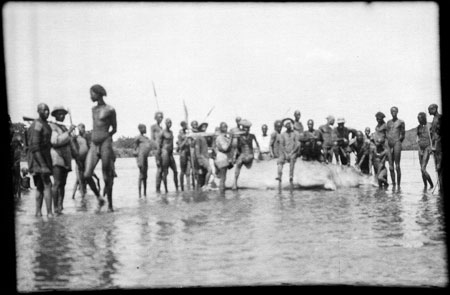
(183, 147)
(275, 140)
(290, 145)
(436, 145)
(142, 148)
(264, 143)
(201, 156)
(165, 153)
(83, 143)
(155, 132)
(104, 119)
(327, 136)
(424, 143)
(40, 160)
(395, 136)
(363, 153)
(223, 147)
(341, 142)
(245, 150)
(61, 153)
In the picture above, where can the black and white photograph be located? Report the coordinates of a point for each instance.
(202, 144)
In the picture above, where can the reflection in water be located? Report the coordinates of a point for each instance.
(388, 211)
(110, 261)
(53, 261)
(250, 236)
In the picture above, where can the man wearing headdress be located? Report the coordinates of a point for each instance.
(61, 153)
(342, 149)
(104, 127)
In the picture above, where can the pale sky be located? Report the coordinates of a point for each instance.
(260, 61)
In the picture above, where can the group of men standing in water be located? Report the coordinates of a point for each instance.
(53, 145)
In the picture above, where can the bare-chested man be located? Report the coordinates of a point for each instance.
(379, 162)
(39, 158)
(183, 147)
(165, 153)
(424, 143)
(327, 136)
(245, 150)
(436, 145)
(395, 136)
(201, 156)
(142, 148)
(83, 144)
(311, 143)
(275, 140)
(298, 126)
(155, 132)
(290, 145)
(61, 153)
(363, 152)
(104, 119)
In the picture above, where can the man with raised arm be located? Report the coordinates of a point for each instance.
(395, 136)
(104, 127)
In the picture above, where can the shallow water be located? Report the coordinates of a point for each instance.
(254, 236)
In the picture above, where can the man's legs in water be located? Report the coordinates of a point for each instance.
(92, 159)
(107, 156)
(397, 157)
(173, 166)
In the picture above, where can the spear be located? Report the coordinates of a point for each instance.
(209, 113)
(156, 97)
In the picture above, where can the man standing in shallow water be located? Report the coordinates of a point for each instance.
(104, 118)
(155, 132)
(142, 147)
(327, 133)
(395, 136)
(275, 140)
(436, 146)
(245, 149)
(39, 158)
(165, 152)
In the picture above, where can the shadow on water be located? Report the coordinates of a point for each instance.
(430, 216)
(110, 261)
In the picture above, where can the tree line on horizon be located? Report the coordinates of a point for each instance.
(124, 145)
